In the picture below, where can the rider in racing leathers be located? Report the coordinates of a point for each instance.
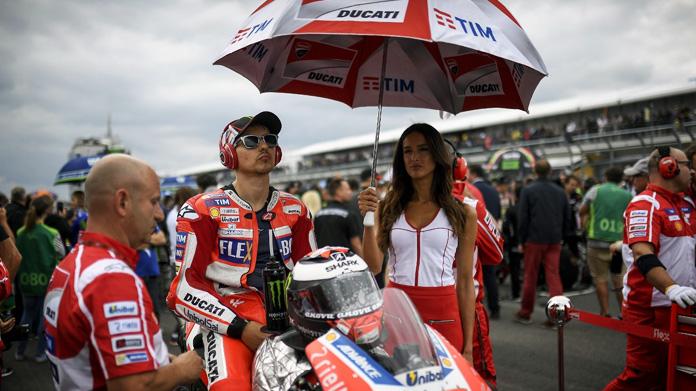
(224, 240)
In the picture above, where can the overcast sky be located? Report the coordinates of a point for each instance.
(65, 65)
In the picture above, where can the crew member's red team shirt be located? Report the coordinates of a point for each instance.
(99, 319)
(667, 221)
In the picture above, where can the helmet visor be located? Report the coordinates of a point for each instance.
(345, 296)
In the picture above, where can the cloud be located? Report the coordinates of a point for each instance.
(67, 65)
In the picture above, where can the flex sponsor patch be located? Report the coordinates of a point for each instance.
(237, 251)
(187, 213)
(120, 308)
(638, 220)
(127, 342)
(131, 358)
(123, 326)
(638, 213)
(218, 202)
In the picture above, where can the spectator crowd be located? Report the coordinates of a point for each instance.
(561, 232)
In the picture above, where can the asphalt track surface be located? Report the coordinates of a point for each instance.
(525, 355)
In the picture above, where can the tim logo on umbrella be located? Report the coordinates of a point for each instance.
(392, 11)
(318, 63)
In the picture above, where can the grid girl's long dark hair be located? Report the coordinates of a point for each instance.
(401, 190)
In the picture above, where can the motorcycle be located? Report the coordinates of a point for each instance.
(410, 355)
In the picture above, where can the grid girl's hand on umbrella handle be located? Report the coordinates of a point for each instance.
(368, 202)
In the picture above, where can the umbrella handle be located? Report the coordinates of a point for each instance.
(369, 219)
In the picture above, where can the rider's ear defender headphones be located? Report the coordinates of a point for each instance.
(228, 153)
(460, 168)
(667, 165)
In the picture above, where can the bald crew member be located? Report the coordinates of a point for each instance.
(100, 327)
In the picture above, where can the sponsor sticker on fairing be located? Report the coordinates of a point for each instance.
(130, 358)
(638, 213)
(122, 326)
(120, 308)
(127, 342)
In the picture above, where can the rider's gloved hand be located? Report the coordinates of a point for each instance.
(684, 296)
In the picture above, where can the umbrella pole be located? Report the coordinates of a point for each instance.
(369, 219)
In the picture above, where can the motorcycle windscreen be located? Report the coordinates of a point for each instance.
(406, 340)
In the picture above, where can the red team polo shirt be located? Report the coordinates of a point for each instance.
(667, 221)
(99, 319)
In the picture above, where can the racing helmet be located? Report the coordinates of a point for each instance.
(333, 287)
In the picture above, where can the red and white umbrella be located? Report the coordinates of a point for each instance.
(449, 55)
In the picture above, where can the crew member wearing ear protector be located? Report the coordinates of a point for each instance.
(489, 251)
(659, 240)
(460, 172)
(224, 240)
(667, 165)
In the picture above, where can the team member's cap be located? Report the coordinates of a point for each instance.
(639, 168)
(265, 118)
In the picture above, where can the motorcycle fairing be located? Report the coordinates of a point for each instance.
(341, 365)
(457, 373)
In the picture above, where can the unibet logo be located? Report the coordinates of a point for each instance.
(414, 378)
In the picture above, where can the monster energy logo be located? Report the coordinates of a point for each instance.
(277, 291)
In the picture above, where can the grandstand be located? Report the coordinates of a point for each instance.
(588, 133)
